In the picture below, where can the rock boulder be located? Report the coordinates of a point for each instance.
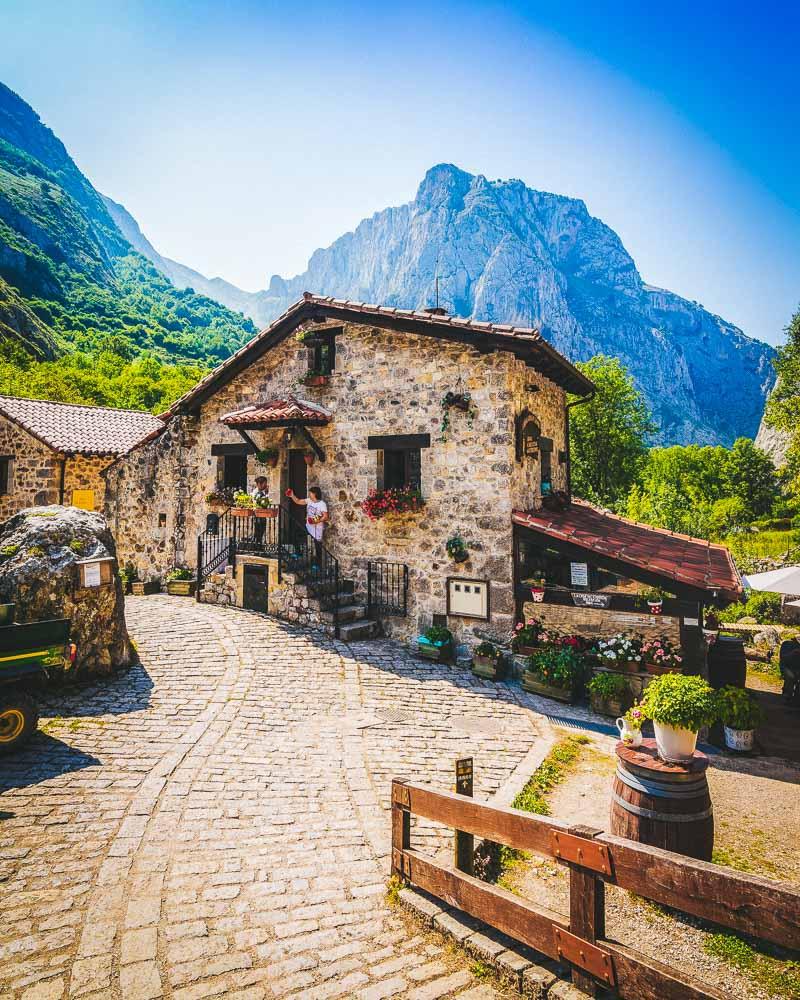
(40, 549)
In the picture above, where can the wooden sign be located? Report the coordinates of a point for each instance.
(96, 572)
(591, 600)
(464, 843)
(464, 776)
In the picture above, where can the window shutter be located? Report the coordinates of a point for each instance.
(379, 453)
(414, 468)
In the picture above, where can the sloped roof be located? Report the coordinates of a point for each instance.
(277, 412)
(526, 343)
(692, 562)
(80, 430)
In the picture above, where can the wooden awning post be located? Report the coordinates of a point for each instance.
(464, 843)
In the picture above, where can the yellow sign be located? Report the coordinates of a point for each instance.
(83, 499)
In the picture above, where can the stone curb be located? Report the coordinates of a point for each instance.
(525, 970)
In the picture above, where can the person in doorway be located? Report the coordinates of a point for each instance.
(316, 517)
(261, 492)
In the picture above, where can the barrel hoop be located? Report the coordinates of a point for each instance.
(660, 790)
(662, 817)
(675, 778)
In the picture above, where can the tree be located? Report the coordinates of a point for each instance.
(783, 406)
(750, 477)
(608, 435)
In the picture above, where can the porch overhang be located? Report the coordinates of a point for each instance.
(287, 412)
(691, 568)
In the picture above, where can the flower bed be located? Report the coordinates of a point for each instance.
(488, 661)
(556, 672)
(383, 503)
(661, 657)
(620, 652)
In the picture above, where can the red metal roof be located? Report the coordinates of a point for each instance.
(692, 562)
(278, 412)
(75, 429)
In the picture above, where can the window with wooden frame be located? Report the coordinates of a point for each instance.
(6, 465)
(399, 459)
(231, 465)
(546, 464)
(322, 352)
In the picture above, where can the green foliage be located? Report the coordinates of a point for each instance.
(738, 709)
(557, 665)
(608, 435)
(681, 701)
(243, 500)
(778, 978)
(783, 406)
(764, 606)
(180, 573)
(77, 546)
(607, 685)
(456, 547)
(9, 550)
(488, 649)
(438, 634)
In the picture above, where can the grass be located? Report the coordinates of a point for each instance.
(761, 545)
(393, 890)
(781, 979)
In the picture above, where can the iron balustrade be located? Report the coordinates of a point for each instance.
(387, 589)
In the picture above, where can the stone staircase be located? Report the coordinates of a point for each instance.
(350, 617)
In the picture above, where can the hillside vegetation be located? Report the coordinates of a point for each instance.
(83, 317)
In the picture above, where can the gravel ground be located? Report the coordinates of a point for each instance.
(757, 811)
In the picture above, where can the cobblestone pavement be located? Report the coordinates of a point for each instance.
(215, 822)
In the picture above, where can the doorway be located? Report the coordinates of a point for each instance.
(298, 483)
(254, 591)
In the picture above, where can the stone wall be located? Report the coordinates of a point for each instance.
(34, 471)
(598, 622)
(293, 603)
(384, 383)
(85, 472)
(219, 588)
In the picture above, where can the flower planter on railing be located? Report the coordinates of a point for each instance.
(264, 512)
(314, 381)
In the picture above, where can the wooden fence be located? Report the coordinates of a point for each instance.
(748, 904)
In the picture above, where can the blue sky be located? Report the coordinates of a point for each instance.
(243, 135)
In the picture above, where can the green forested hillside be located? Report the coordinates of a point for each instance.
(83, 317)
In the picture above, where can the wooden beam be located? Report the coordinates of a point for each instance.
(376, 442)
(312, 444)
(247, 439)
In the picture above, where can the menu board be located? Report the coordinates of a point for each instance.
(579, 574)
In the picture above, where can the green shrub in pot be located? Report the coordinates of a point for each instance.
(740, 714)
(555, 671)
(609, 693)
(679, 705)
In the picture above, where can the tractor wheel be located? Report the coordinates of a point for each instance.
(19, 716)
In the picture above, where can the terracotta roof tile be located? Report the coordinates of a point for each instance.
(77, 429)
(681, 558)
(277, 411)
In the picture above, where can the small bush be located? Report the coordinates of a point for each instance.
(607, 685)
(684, 702)
(765, 607)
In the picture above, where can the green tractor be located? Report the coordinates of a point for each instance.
(27, 652)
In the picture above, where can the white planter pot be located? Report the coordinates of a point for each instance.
(674, 745)
(630, 737)
(739, 739)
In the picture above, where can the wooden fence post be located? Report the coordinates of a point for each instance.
(587, 908)
(401, 826)
(464, 843)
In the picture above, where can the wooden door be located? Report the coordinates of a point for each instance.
(254, 596)
(298, 482)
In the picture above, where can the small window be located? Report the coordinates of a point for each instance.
(401, 468)
(5, 473)
(546, 465)
(234, 472)
(322, 353)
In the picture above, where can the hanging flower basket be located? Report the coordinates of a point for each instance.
(268, 456)
(656, 607)
(392, 503)
(313, 379)
(265, 512)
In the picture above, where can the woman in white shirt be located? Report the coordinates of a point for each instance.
(316, 515)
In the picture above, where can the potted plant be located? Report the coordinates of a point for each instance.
(220, 496)
(264, 507)
(556, 672)
(181, 582)
(392, 502)
(457, 549)
(127, 575)
(141, 587)
(243, 504)
(630, 726)
(314, 378)
(436, 643)
(619, 652)
(528, 637)
(488, 661)
(654, 598)
(740, 715)
(268, 456)
(661, 657)
(458, 401)
(679, 705)
(609, 693)
(537, 591)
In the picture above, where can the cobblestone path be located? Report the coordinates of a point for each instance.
(215, 821)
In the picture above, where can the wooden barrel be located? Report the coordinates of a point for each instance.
(727, 663)
(664, 805)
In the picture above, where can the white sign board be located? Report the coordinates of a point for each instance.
(468, 598)
(579, 574)
(91, 574)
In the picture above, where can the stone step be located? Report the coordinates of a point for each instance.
(344, 613)
(355, 631)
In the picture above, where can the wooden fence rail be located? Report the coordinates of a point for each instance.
(762, 908)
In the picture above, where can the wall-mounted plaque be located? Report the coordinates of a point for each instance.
(96, 572)
(579, 574)
(591, 600)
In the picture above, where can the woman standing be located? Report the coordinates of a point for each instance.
(316, 516)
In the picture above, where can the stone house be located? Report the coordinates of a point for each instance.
(57, 452)
(354, 398)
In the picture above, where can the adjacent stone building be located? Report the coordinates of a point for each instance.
(55, 453)
(355, 398)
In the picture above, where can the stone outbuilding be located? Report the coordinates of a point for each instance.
(469, 418)
(55, 453)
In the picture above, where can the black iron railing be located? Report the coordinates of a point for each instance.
(280, 536)
(387, 589)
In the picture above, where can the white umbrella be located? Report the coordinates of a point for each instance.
(777, 581)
